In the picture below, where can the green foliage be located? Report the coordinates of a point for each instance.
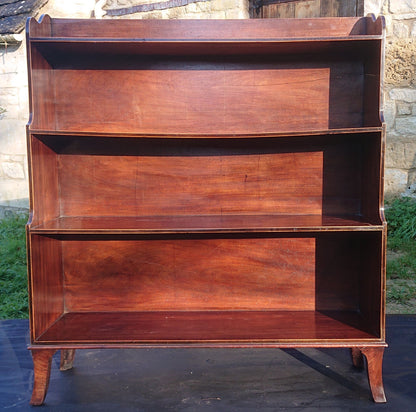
(401, 264)
(401, 291)
(401, 218)
(13, 278)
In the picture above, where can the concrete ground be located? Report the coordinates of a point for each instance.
(210, 379)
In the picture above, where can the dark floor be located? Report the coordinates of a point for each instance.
(210, 379)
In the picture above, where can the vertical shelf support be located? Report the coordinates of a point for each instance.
(374, 357)
(42, 360)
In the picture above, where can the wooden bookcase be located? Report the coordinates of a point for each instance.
(206, 183)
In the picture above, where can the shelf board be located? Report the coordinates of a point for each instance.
(75, 133)
(203, 224)
(206, 326)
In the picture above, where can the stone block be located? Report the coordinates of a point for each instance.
(400, 62)
(9, 78)
(220, 15)
(7, 93)
(191, 8)
(12, 136)
(232, 14)
(404, 109)
(402, 6)
(13, 170)
(401, 153)
(395, 181)
(204, 7)
(222, 5)
(411, 180)
(389, 111)
(373, 6)
(410, 190)
(404, 94)
(406, 125)
(14, 193)
(389, 23)
(151, 15)
(400, 29)
(177, 13)
(75, 9)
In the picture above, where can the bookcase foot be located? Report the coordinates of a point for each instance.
(42, 360)
(374, 357)
(67, 359)
(357, 358)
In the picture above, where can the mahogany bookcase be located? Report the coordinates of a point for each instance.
(206, 184)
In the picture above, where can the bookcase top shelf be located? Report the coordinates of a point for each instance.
(203, 30)
(189, 78)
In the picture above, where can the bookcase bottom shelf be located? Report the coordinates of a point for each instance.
(210, 327)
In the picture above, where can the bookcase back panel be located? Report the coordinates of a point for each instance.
(192, 274)
(208, 96)
(163, 177)
(104, 186)
(204, 273)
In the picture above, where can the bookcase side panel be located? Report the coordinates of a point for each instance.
(47, 298)
(374, 70)
(42, 91)
(372, 176)
(372, 282)
(44, 182)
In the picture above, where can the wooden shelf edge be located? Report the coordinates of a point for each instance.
(38, 231)
(213, 344)
(207, 224)
(355, 130)
(240, 41)
(210, 327)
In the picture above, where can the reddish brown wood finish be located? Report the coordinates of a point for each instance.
(232, 90)
(164, 327)
(42, 359)
(46, 280)
(210, 29)
(274, 223)
(374, 357)
(196, 274)
(191, 186)
(260, 177)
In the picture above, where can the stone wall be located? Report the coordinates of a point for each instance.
(13, 118)
(14, 108)
(399, 90)
(204, 9)
(399, 93)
